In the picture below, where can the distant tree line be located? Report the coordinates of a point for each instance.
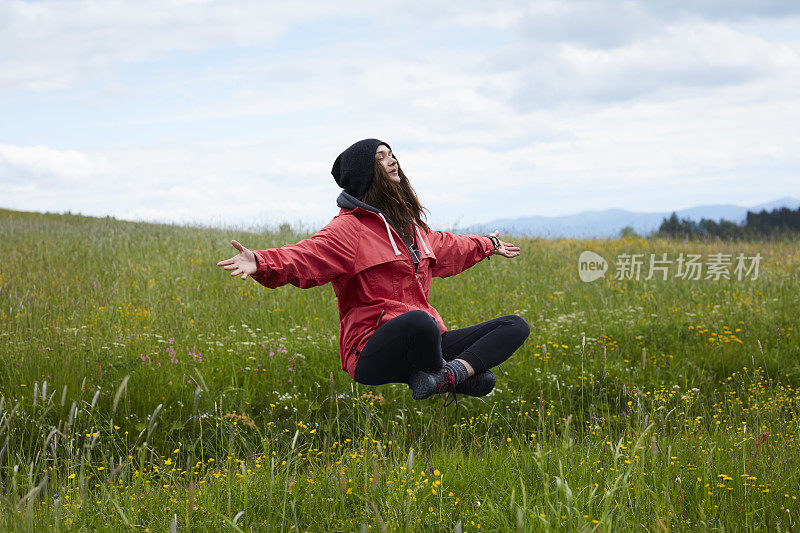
(778, 223)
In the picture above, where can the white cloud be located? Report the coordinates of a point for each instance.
(493, 109)
(43, 164)
(57, 44)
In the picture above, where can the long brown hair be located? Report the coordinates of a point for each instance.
(397, 201)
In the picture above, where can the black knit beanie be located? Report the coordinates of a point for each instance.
(354, 169)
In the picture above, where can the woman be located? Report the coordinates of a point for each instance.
(380, 257)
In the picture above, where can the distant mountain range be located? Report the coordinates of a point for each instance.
(609, 223)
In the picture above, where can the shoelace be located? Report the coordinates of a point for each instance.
(451, 399)
(447, 385)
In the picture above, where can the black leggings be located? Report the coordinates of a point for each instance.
(412, 341)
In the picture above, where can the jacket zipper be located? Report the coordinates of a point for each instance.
(377, 322)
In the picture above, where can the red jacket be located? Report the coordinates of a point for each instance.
(372, 271)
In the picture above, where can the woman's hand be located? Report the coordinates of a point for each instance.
(243, 263)
(506, 248)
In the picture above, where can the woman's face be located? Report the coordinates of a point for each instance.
(384, 155)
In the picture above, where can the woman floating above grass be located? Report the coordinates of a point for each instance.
(380, 257)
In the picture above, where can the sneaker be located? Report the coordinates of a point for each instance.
(424, 384)
(478, 385)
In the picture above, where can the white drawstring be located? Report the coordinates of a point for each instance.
(389, 231)
(424, 246)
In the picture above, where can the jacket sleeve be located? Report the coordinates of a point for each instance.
(317, 260)
(456, 253)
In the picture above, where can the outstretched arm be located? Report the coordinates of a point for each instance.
(311, 262)
(456, 253)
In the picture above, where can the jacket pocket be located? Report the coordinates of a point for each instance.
(381, 281)
(377, 323)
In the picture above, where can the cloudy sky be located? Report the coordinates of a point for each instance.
(232, 112)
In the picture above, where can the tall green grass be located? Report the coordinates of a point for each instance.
(142, 388)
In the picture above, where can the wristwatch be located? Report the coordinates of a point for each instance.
(495, 242)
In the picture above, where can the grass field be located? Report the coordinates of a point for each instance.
(143, 389)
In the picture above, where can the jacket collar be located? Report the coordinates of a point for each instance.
(348, 201)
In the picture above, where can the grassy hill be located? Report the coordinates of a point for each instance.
(141, 386)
